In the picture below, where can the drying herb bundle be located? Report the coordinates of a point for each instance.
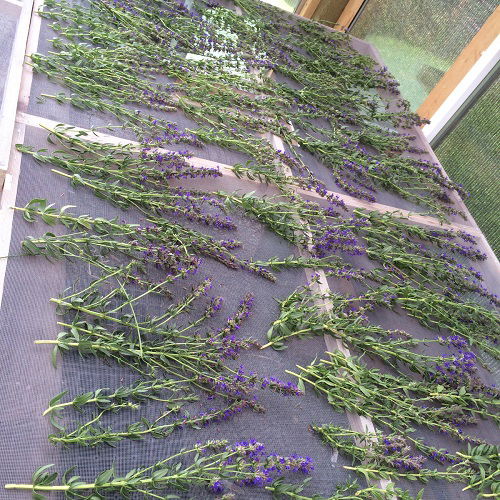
(398, 402)
(210, 58)
(131, 396)
(302, 314)
(169, 246)
(348, 491)
(108, 321)
(391, 457)
(140, 180)
(192, 365)
(214, 465)
(411, 256)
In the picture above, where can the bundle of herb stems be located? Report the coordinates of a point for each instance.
(124, 49)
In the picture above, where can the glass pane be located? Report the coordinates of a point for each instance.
(420, 39)
(469, 154)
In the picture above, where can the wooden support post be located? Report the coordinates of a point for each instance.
(348, 14)
(307, 8)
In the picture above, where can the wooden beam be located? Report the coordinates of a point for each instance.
(357, 422)
(462, 65)
(228, 171)
(348, 14)
(307, 8)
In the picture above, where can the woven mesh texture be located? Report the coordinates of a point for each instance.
(29, 381)
(7, 33)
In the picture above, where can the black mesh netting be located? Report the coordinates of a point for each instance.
(29, 381)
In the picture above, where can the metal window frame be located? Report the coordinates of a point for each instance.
(472, 84)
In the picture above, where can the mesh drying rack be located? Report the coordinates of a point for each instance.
(28, 283)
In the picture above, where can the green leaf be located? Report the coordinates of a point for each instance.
(54, 422)
(301, 386)
(364, 390)
(30, 247)
(270, 333)
(104, 476)
(53, 357)
(57, 398)
(65, 207)
(279, 346)
(158, 474)
(41, 477)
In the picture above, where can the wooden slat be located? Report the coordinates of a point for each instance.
(356, 422)
(228, 171)
(308, 8)
(348, 14)
(12, 85)
(462, 65)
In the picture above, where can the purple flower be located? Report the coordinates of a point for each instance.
(216, 486)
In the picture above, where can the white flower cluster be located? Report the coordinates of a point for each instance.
(227, 56)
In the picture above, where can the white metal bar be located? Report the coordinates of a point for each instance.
(12, 7)
(9, 193)
(12, 84)
(463, 90)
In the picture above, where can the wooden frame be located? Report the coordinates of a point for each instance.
(464, 63)
(21, 93)
(307, 8)
(349, 13)
(20, 119)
